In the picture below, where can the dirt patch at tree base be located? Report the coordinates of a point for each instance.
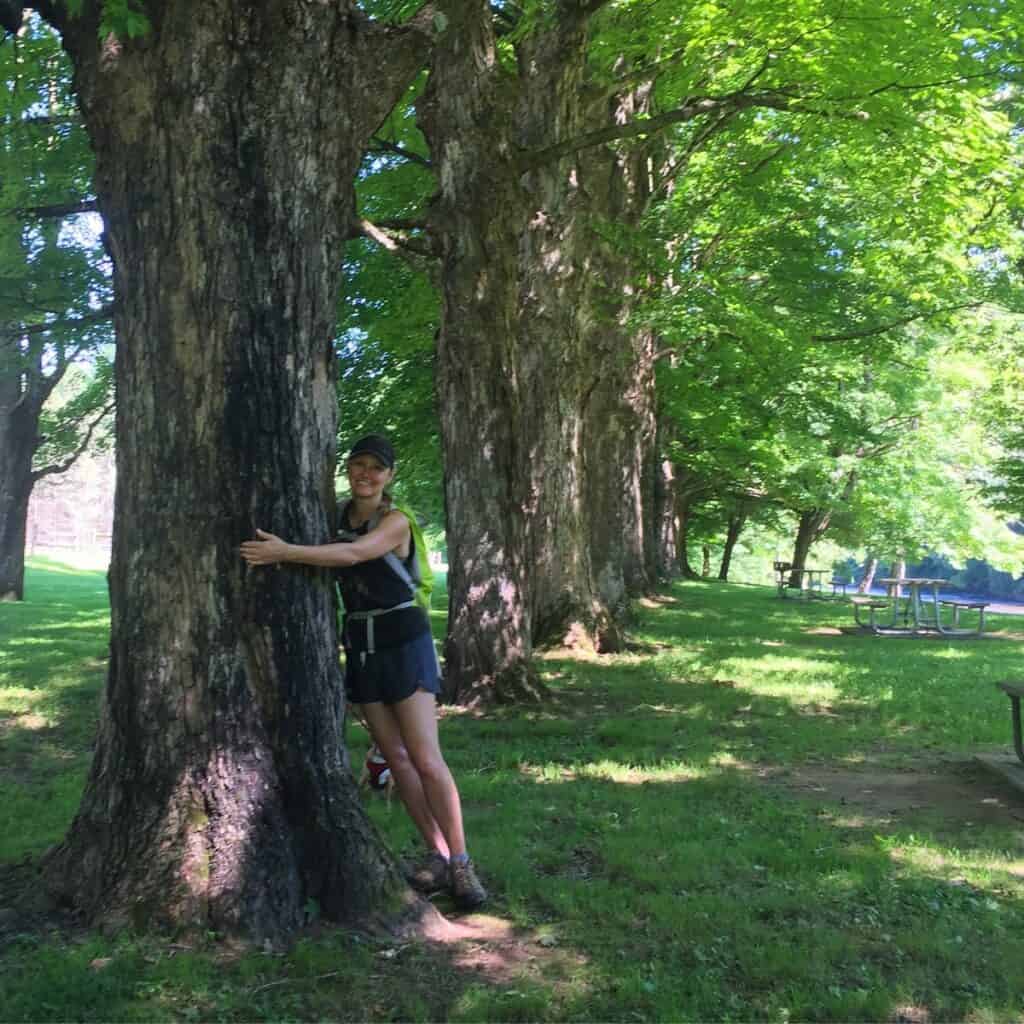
(500, 953)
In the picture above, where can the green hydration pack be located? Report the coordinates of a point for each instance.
(415, 571)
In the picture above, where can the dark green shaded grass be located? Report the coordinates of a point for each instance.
(625, 831)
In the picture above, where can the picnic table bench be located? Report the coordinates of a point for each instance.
(873, 605)
(1015, 690)
(957, 604)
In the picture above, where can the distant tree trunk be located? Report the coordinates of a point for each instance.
(25, 385)
(812, 524)
(227, 140)
(870, 568)
(901, 572)
(621, 467)
(666, 522)
(19, 426)
(705, 564)
(683, 507)
(737, 520)
(22, 397)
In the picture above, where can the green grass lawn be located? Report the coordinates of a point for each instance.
(749, 816)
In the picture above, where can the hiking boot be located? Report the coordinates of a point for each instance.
(429, 873)
(466, 888)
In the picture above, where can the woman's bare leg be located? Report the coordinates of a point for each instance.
(384, 727)
(417, 723)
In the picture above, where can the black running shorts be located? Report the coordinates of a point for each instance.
(391, 674)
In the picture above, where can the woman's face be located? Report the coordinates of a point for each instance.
(367, 476)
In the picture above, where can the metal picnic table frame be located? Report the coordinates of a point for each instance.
(926, 615)
(813, 587)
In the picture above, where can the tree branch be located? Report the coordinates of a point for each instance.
(699, 107)
(101, 315)
(53, 11)
(587, 8)
(669, 174)
(868, 332)
(401, 224)
(389, 56)
(400, 245)
(63, 467)
(384, 146)
(48, 384)
(47, 121)
(58, 209)
(920, 86)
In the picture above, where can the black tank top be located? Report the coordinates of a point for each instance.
(368, 586)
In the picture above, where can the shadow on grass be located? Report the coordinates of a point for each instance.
(703, 898)
(647, 840)
(645, 867)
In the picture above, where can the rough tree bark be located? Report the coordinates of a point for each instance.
(511, 347)
(226, 142)
(620, 414)
(549, 508)
(561, 359)
(465, 114)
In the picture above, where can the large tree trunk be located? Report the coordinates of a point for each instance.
(619, 414)
(510, 346)
(226, 139)
(561, 355)
(551, 505)
(477, 214)
(19, 424)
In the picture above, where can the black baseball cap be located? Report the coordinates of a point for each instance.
(376, 445)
